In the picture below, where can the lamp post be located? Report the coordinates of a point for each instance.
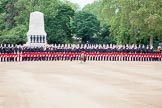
(138, 34)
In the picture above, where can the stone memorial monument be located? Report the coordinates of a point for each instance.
(36, 36)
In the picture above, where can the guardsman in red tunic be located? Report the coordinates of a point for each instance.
(149, 56)
(141, 57)
(31, 56)
(117, 56)
(91, 56)
(99, 56)
(10, 57)
(128, 57)
(37, 56)
(52, 56)
(74, 56)
(70, 56)
(64, 56)
(158, 55)
(136, 56)
(16, 57)
(47, 56)
(24, 57)
(0, 57)
(7, 57)
(113, 56)
(28, 55)
(110, 56)
(58, 56)
(4, 57)
(96, 56)
(152, 57)
(103, 56)
(107, 56)
(20, 56)
(61, 55)
(88, 56)
(77, 56)
(43, 56)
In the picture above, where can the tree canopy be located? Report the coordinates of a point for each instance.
(132, 21)
(85, 26)
(103, 21)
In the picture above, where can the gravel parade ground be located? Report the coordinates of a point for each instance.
(65, 84)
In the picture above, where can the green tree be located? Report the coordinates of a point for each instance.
(134, 21)
(10, 14)
(106, 36)
(86, 26)
(74, 6)
(59, 29)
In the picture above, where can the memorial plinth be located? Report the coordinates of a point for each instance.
(36, 36)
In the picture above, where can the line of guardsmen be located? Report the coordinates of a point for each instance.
(71, 56)
(70, 52)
